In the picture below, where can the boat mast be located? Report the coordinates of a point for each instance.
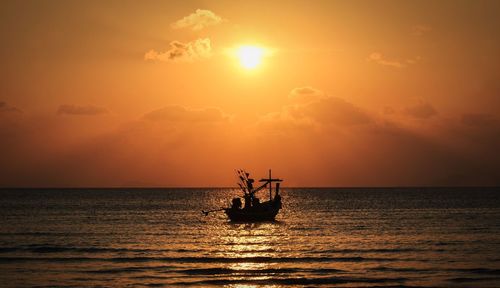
(269, 181)
(270, 186)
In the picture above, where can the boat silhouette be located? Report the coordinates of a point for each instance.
(252, 210)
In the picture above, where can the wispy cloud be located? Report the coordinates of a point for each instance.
(177, 113)
(198, 20)
(380, 59)
(86, 110)
(420, 30)
(305, 94)
(421, 110)
(4, 107)
(183, 52)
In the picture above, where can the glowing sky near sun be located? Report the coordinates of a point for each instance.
(180, 94)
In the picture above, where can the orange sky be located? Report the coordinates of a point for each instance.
(348, 93)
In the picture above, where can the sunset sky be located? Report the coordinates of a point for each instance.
(326, 93)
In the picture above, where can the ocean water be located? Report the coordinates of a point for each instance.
(411, 237)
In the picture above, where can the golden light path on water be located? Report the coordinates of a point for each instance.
(251, 240)
(266, 252)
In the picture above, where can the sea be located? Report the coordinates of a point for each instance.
(330, 237)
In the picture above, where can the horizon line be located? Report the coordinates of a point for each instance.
(235, 187)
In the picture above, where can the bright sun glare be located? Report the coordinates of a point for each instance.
(250, 56)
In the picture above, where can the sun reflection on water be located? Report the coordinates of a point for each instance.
(251, 241)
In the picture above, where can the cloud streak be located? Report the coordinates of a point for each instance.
(420, 30)
(177, 113)
(183, 52)
(380, 59)
(198, 20)
(421, 110)
(6, 108)
(80, 110)
(305, 94)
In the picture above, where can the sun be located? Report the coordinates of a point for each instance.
(250, 56)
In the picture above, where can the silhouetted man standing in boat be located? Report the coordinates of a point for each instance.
(249, 196)
(249, 183)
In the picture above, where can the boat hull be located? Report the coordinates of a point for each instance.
(264, 212)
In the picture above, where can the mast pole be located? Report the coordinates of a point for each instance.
(270, 186)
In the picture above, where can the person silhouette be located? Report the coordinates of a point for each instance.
(249, 196)
(249, 184)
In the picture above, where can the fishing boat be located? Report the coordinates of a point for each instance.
(253, 210)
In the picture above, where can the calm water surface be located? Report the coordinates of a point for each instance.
(323, 237)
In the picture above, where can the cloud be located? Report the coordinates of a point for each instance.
(334, 110)
(177, 113)
(6, 108)
(10, 120)
(422, 110)
(198, 20)
(87, 110)
(344, 144)
(325, 141)
(305, 94)
(478, 119)
(331, 134)
(380, 59)
(172, 146)
(413, 60)
(315, 107)
(183, 52)
(420, 30)
(305, 90)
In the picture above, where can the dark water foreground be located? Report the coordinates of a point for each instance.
(323, 237)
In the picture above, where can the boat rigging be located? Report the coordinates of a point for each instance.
(253, 209)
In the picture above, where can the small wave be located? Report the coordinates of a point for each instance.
(477, 271)
(467, 279)
(454, 243)
(398, 269)
(213, 271)
(46, 249)
(48, 259)
(268, 259)
(8, 249)
(198, 259)
(118, 270)
(257, 243)
(218, 271)
(381, 250)
(480, 271)
(61, 249)
(148, 285)
(132, 269)
(267, 250)
(294, 281)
